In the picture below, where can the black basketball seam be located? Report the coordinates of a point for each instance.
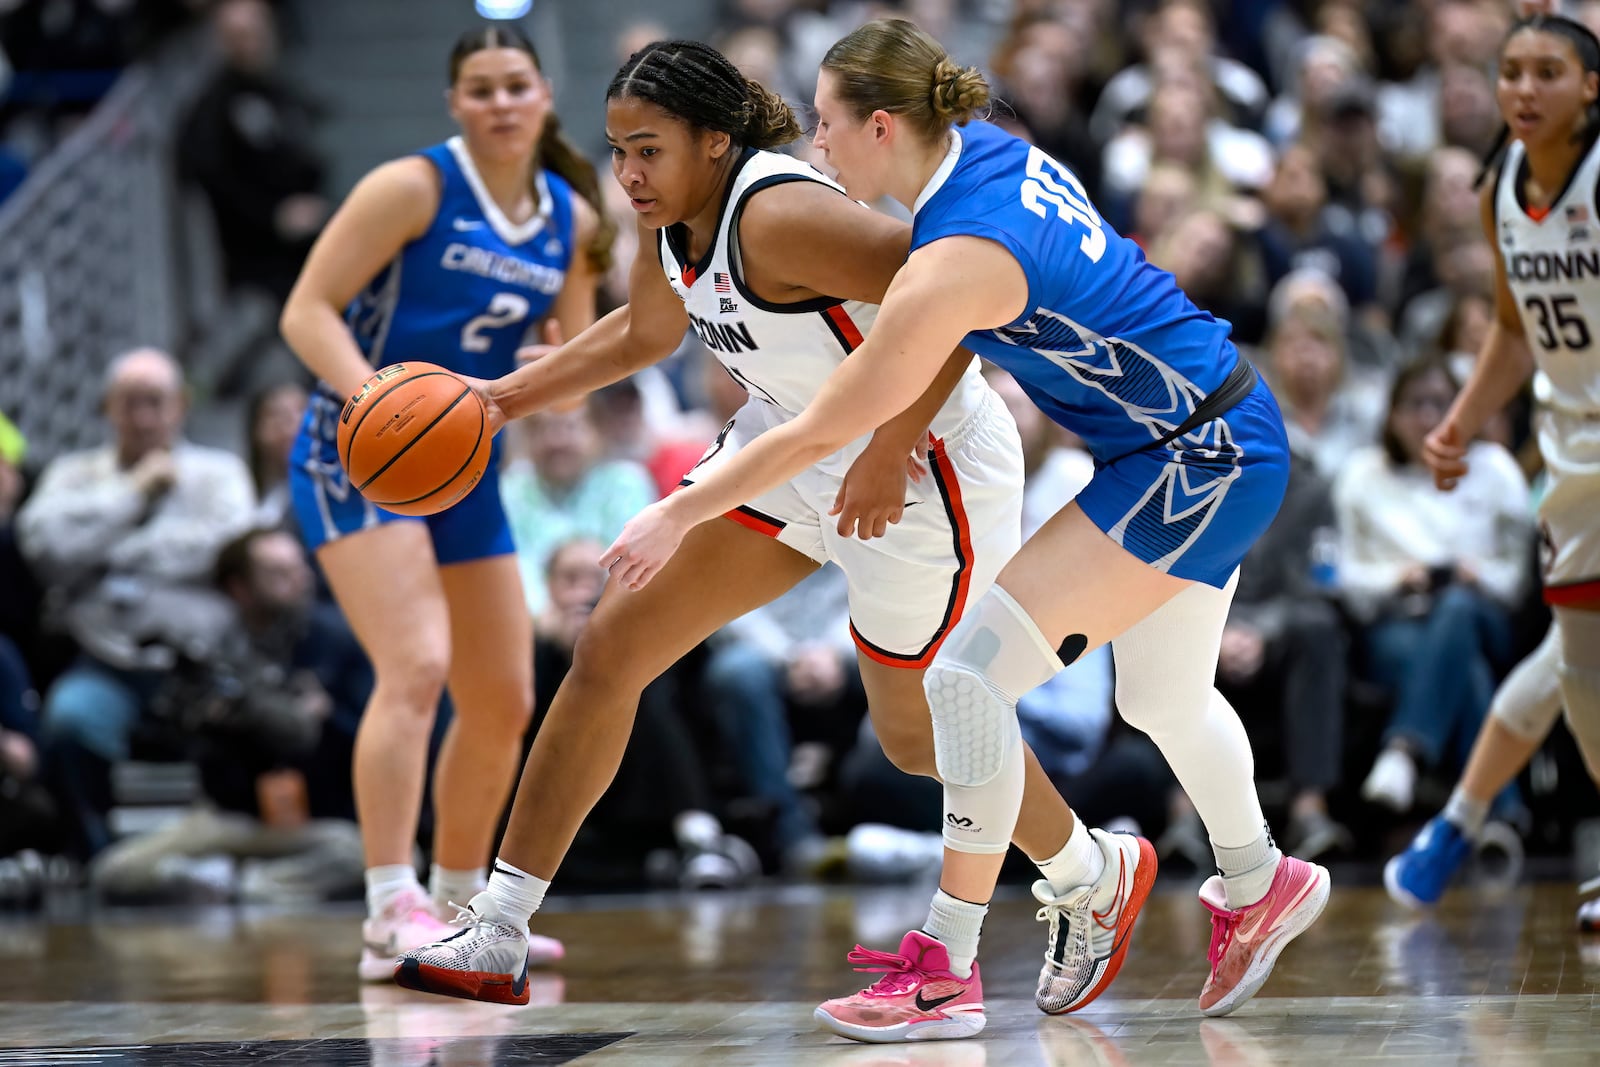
(453, 477)
(345, 459)
(465, 391)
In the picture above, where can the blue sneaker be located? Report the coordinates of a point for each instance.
(1418, 876)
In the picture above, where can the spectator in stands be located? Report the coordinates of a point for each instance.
(1216, 268)
(1323, 64)
(19, 607)
(559, 487)
(254, 713)
(784, 672)
(1300, 232)
(1041, 65)
(249, 145)
(272, 419)
(1448, 205)
(1183, 28)
(660, 800)
(1330, 407)
(124, 537)
(1432, 578)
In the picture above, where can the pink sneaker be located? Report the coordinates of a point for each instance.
(407, 922)
(1245, 943)
(917, 999)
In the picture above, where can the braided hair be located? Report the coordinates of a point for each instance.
(1587, 46)
(554, 153)
(698, 84)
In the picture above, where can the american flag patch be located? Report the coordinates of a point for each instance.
(723, 284)
(1578, 213)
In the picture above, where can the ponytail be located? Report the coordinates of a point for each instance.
(561, 156)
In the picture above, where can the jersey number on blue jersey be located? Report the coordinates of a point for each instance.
(1559, 314)
(1048, 182)
(505, 309)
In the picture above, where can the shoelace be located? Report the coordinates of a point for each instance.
(1223, 924)
(1054, 912)
(900, 973)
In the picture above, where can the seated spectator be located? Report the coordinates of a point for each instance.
(1184, 27)
(272, 419)
(1216, 269)
(785, 672)
(656, 818)
(1284, 659)
(1432, 577)
(1168, 195)
(20, 606)
(286, 678)
(1322, 64)
(249, 144)
(124, 537)
(1301, 233)
(1330, 409)
(557, 487)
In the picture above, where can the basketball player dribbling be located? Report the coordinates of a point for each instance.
(1010, 259)
(1541, 211)
(779, 272)
(449, 256)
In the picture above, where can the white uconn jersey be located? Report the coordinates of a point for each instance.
(1553, 270)
(780, 353)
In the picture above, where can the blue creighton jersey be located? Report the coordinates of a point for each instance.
(465, 294)
(1109, 347)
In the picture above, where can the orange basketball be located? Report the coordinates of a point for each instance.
(415, 439)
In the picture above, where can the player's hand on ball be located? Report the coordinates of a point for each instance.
(644, 546)
(1445, 454)
(491, 407)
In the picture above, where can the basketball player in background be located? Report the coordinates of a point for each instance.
(1541, 210)
(451, 256)
(779, 273)
(1010, 259)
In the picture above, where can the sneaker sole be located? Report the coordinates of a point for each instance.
(467, 985)
(959, 1024)
(1144, 879)
(1399, 893)
(1260, 969)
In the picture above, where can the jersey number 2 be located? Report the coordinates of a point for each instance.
(504, 309)
(1560, 315)
(1050, 183)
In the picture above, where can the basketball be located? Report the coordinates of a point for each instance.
(415, 439)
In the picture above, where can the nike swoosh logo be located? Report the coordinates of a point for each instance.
(383, 948)
(509, 874)
(929, 1005)
(468, 224)
(1115, 908)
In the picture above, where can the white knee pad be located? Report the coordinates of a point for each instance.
(992, 657)
(982, 818)
(1528, 702)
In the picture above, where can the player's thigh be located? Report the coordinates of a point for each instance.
(899, 710)
(721, 571)
(491, 635)
(1073, 579)
(388, 585)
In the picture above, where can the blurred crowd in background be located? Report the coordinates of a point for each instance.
(1305, 168)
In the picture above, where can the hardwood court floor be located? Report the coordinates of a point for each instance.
(731, 979)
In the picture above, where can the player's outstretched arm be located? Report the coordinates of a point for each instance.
(832, 246)
(945, 290)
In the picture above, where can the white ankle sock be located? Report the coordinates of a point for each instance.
(387, 882)
(1247, 872)
(1467, 814)
(1079, 862)
(957, 924)
(450, 886)
(514, 893)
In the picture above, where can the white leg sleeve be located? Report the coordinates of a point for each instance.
(1528, 702)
